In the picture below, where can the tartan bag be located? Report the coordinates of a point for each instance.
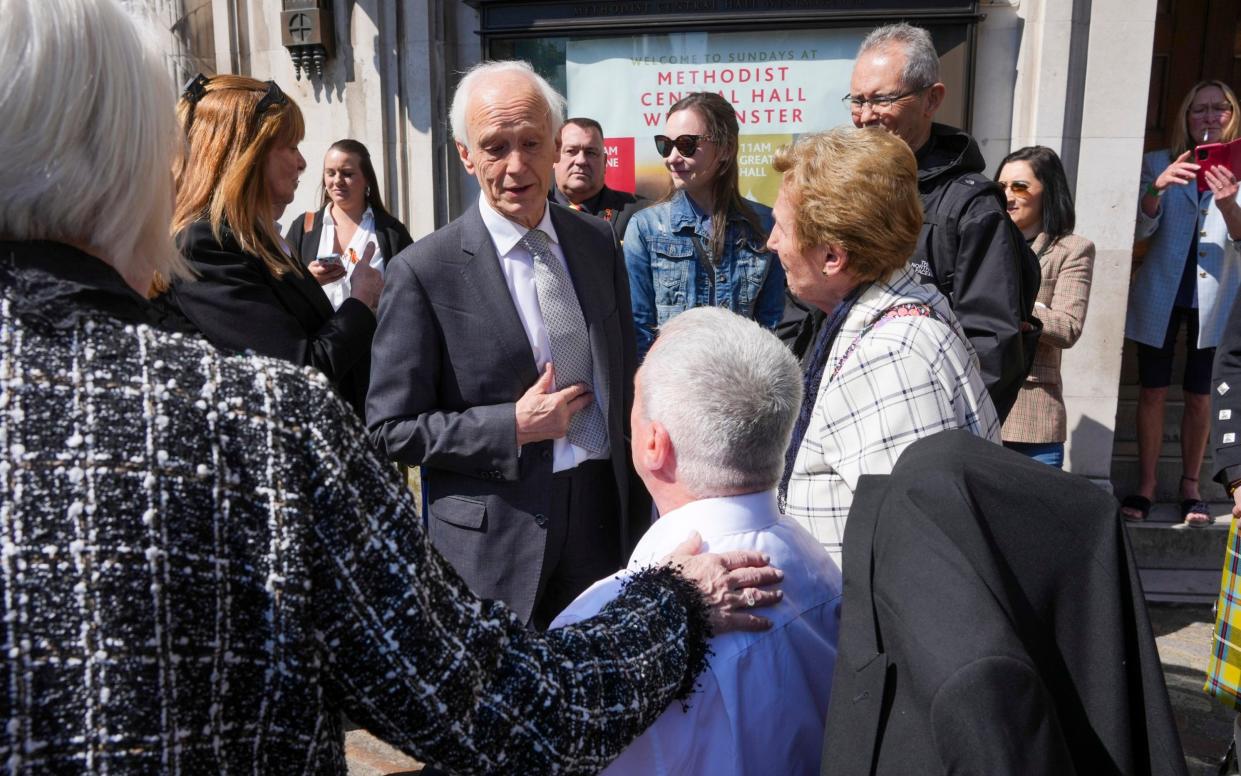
(1224, 669)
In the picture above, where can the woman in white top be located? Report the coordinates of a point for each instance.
(353, 225)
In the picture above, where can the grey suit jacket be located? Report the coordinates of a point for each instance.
(450, 359)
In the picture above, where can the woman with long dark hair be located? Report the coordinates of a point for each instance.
(1041, 205)
(352, 225)
(704, 244)
(1189, 277)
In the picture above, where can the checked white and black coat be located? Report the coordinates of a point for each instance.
(906, 378)
(203, 565)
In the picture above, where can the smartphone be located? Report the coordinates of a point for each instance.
(332, 259)
(1222, 154)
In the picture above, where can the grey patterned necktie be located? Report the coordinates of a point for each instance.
(566, 330)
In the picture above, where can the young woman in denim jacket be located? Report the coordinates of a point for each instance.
(704, 244)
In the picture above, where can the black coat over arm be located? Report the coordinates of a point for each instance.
(993, 623)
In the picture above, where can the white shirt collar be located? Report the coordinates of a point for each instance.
(329, 221)
(710, 517)
(505, 233)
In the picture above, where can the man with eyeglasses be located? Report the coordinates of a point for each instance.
(969, 247)
(581, 162)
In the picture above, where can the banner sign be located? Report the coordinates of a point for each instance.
(782, 84)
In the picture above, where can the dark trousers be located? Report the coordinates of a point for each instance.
(583, 537)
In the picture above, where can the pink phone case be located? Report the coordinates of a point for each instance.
(1212, 154)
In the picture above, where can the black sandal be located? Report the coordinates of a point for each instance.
(1139, 504)
(1195, 506)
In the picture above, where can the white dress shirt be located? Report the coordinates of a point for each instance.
(338, 290)
(763, 699)
(518, 267)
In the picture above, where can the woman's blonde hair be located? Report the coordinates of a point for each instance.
(87, 133)
(222, 175)
(856, 189)
(1181, 141)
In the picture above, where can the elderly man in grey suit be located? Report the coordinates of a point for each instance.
(503, 364)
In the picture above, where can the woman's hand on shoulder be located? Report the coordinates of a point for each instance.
(731, 582)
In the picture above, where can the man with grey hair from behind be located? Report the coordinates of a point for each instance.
(716, 398)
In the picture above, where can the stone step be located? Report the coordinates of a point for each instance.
(1179, 563)
(1167, 473)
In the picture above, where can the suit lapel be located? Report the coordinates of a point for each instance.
(584, 271)
(481, 272)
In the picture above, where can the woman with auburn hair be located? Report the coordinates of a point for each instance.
(1188, 278)
(890, 364)
(237, 176)
(205, 564)
(353, 225)
(705, 243)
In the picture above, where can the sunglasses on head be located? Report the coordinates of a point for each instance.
(687, 145)
(1018, 187)
(196, 88)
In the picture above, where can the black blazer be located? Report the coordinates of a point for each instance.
(391, 234)
(239, 305)
(1226, 397)
(451, 359)
(992, 623)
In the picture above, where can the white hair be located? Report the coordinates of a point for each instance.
(921, 61)
(482, 71)
(727, 391)
(88, 132)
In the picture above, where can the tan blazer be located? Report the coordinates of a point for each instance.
(1038, 415)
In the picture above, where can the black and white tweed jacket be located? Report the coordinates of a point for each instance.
(202, 565)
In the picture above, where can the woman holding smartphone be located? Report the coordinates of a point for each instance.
(1189, 277)
(353, 225)
(704, 244)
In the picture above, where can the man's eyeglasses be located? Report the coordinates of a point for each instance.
(879, 103)
(1020, 188)
(687, 145)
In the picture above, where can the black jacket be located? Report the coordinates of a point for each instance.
(392, 235)
(615, 207)
(1226, 396)
(993, 623)
(239, 305)
(977, 259)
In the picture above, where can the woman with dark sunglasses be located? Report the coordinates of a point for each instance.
(704, 244)
(237, 175)
(1041, 205)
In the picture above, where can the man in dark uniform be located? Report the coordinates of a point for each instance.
(580, 167)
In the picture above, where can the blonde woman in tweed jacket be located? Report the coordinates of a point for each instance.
(890, 364)
(1041, 206)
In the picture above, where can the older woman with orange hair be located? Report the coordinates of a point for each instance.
(890, 364)
(237, 177)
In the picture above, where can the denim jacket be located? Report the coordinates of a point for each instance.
(669, 270)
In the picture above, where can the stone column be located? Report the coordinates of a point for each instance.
(1113, 129)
